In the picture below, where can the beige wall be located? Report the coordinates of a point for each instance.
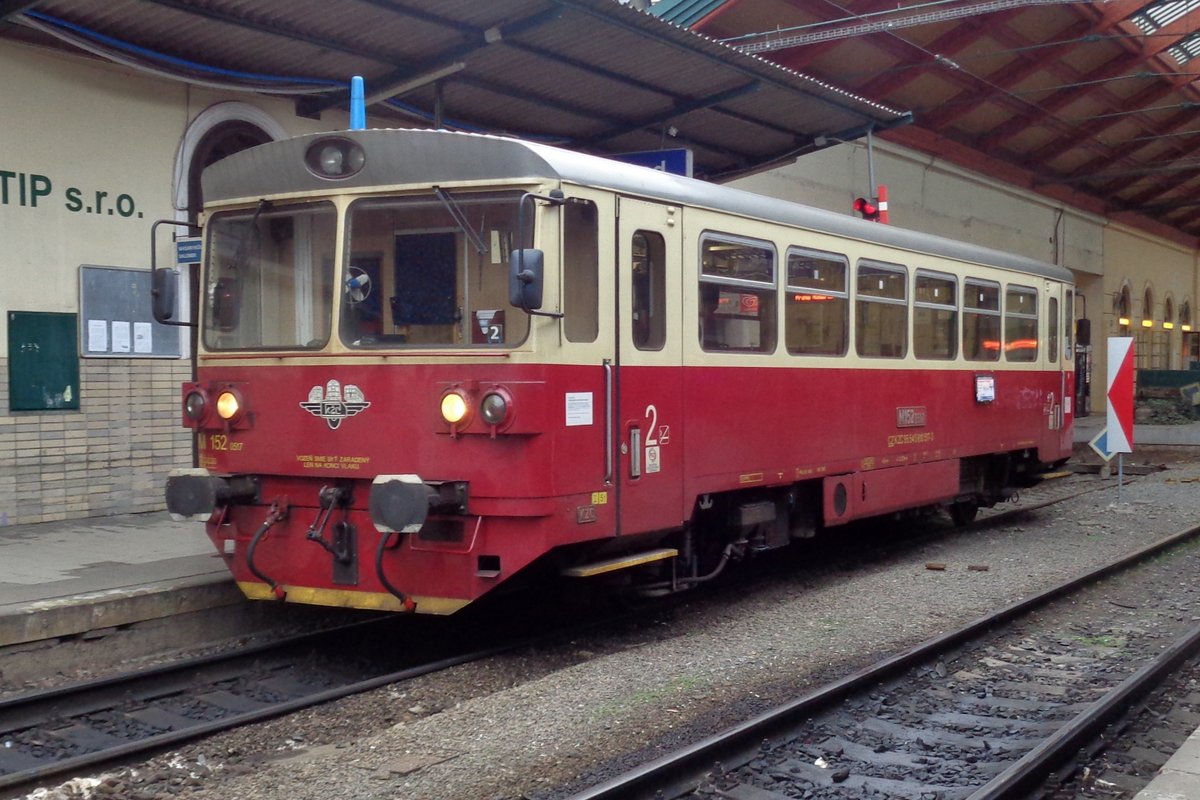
(84, 126)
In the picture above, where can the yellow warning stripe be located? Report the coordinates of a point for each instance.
(621, 562)
(345, 598)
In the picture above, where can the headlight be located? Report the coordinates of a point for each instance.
(494, 408)
(228, 405)
(334, 157)
(454, 407)
(195, 405)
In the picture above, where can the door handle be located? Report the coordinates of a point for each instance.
(635, 452)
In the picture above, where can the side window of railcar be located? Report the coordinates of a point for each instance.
(1020, 324)
(881, 308)
(581, 271)
(817, 304)
(649, 290)
(935, 315)
(981, 320)
(737, 294)
(1052, 330)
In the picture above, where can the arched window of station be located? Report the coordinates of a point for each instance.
(1190, 346)
(1168, 332)
(1140, 330)
(220, 141)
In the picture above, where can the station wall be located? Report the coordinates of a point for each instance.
(88, 162)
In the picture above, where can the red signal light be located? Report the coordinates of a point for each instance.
(868, 209)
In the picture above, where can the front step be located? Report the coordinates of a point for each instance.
(620, 562)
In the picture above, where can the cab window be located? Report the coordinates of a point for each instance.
(581, 271)
(649, 297)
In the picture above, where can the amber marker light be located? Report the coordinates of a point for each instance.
(228, 405)
(454, 408)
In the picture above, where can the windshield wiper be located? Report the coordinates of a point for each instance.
(459, 217)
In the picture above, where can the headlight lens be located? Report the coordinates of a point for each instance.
(228, 405)
(494, 408)
(334, 157)
(454, 407)
(194, 405)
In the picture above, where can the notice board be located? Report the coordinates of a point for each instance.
(118, 321)
(43, 363)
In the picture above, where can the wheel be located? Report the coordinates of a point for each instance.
(963, 512)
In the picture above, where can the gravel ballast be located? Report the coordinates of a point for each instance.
(532, 722)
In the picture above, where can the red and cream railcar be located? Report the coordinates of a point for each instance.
(428, 360)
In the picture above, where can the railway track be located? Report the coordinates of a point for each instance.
(1006, 706)
(69, 729)
(50, 733)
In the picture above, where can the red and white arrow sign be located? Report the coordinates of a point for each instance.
(1120, 394)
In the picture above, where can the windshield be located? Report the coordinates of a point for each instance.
(431, 271)
(270, 278)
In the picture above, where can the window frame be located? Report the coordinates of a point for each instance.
(929, 306)
(768, 316)
(980, 311)
(1019, 289)
(902, 302)
(843, 296)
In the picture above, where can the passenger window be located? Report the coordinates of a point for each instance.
(581, 271)
(881, 306)
(649, 291)
(817, 306)
(935, 316)
(1020, 324)
(737, 295)
(1052, 330)
(981, 320)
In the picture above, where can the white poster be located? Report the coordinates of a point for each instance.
(143, 341)
(97, 341)
(120, 337)
(579, 408)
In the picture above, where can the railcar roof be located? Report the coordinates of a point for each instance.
(442, 157)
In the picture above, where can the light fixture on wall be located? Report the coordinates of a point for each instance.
(1169, 325)
(1123, 321)
(1147, 323)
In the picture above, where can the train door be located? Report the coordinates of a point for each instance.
(649, 354)
(1059, 405)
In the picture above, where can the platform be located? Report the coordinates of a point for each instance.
(79, 576)
(1188, 435)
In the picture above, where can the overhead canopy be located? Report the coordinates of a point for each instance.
(592, 75)
(1091, 103)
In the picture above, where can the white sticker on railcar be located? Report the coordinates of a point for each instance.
(652, 462)
(579, 408)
